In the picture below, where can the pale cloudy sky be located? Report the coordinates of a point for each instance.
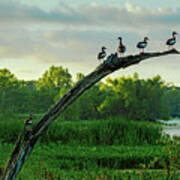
(34, 34)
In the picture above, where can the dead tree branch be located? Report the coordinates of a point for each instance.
(112, 63)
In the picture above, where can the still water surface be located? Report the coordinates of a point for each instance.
(172, 127)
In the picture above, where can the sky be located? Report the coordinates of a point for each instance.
(35, 34)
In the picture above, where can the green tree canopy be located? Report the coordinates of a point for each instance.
(7, 79)
(55, 78)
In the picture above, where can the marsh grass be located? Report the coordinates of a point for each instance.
(56, 160)
(112, 131)
(96, 149)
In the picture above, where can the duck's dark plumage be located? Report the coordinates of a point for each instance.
(142, 44)
(121, 48)
(102, 54)
(172, 41)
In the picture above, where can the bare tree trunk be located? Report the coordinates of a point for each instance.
(112, 63)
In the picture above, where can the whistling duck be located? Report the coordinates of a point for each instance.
(121, 47)
(170, 42)
(102, 54)
(142, 44)
(28, 121)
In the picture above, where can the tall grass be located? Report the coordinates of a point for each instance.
(95, 149)
(112, 131)
(72, 162)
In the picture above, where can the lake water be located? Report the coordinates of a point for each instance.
(171, 127)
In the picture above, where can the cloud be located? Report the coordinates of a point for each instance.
(15, 12)
(133, 8)
(74, 34)
(91, 14)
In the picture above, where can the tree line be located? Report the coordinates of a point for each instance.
(130, 97)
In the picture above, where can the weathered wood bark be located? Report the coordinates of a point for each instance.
(112, 63)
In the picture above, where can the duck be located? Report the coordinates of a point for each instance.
(121, 48)
(102, 54)
(142, 44)
(170, 42)
(28, 121)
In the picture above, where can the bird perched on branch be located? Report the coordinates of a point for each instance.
(121, 48)
(28, 122)
(102, 54)
(142, 44)
(170, 42)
